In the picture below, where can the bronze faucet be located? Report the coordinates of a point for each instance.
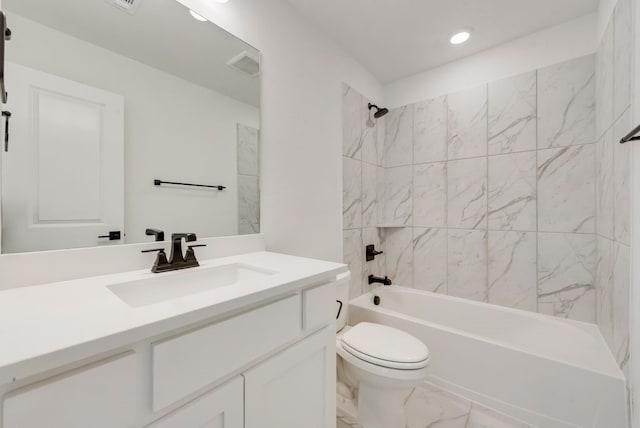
(177, 260)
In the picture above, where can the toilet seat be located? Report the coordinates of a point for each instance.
(385, 347)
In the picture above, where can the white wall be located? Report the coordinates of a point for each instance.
(550, 46)
(175, 131)
(301, 132)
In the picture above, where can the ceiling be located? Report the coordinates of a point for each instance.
(160, 34)
(394, 39)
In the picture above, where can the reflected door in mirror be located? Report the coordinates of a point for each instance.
(63, 178)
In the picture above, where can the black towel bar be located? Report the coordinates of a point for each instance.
(631, 136)
(160, 182)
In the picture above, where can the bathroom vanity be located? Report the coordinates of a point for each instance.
(241, 341)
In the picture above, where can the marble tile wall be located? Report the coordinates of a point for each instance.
(248, 180)
(613, 111)
(491, 192)
(363, 183)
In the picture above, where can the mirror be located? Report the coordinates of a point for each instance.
(126, 115)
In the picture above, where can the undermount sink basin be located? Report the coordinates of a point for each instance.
(173, 285)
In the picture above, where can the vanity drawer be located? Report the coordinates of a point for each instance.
(319, 306)
(100, 396)
(184, 364)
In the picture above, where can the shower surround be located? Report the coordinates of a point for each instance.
(489, 193)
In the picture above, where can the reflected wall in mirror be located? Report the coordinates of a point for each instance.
(107, 99)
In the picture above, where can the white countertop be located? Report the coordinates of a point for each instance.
(46, 326)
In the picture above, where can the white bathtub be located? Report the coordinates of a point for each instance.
(545, 371)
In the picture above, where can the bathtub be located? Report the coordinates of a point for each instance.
(546, 371)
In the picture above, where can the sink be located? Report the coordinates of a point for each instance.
(173, 285)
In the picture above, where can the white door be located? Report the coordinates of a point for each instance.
(221, 408)
(296, 388)
(63, 176)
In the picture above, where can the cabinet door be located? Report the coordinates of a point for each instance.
(296, 388)
(99, 396)
(220, 408)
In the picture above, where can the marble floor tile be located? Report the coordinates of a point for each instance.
(467, 123)
(397, 196)
(566, 269)
(430, 259)
(513, 270)
(398, 249)
(430, 195)
(430, 131)
(512, 192)
(566, 190)
(398, 142)
(467, 264)
(430, 407)
(351, 122)
(351, 193)
(512, 114)
(467, 193)
(566, 103)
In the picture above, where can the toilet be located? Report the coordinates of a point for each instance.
(384, 364)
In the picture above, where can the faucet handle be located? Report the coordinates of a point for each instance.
(160, 250)
(196, 246)
(161, 260)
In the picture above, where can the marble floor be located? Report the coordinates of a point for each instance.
(430, 407)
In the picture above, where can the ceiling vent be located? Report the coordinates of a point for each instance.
(246, 63)
(129, 6)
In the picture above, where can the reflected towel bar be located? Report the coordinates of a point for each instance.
(160, 182)
(631, 136)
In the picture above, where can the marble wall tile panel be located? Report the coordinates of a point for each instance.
(566, 192)
(566, 103)
(605, 75)
(351, 193)
(370, 194)
(512, 114)
(398, 248)
(397, 196)
(622, 56)
(351, 123)
(430, 259)
(622, 180)
(513, 269)
(566, 267)
(467, 264)
(398, 142)
(248, 154)
(467, 193)
(467, 123)
(430, 195)
(430, 131)
(512, 192)
(604, 186)
(353, 255)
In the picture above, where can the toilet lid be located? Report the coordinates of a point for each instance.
(385, 344)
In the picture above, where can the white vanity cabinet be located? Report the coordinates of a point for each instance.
(221, 408)
(269, 365)
(294, 388)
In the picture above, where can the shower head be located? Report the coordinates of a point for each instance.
(379, 111)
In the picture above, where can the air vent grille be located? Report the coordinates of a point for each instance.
(246, 63)
(129, 6)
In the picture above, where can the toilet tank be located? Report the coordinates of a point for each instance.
(342, 298)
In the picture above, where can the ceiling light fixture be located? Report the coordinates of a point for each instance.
(197, 16)
(222, 1)
(460, 37)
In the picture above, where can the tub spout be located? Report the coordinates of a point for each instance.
(376, 279)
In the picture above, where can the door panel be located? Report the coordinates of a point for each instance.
(63, 176)
(296, 388)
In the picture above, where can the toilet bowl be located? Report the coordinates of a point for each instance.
(384, 364)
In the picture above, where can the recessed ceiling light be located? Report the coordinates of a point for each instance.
(222, 1)
(460, 37)
(197, 16)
